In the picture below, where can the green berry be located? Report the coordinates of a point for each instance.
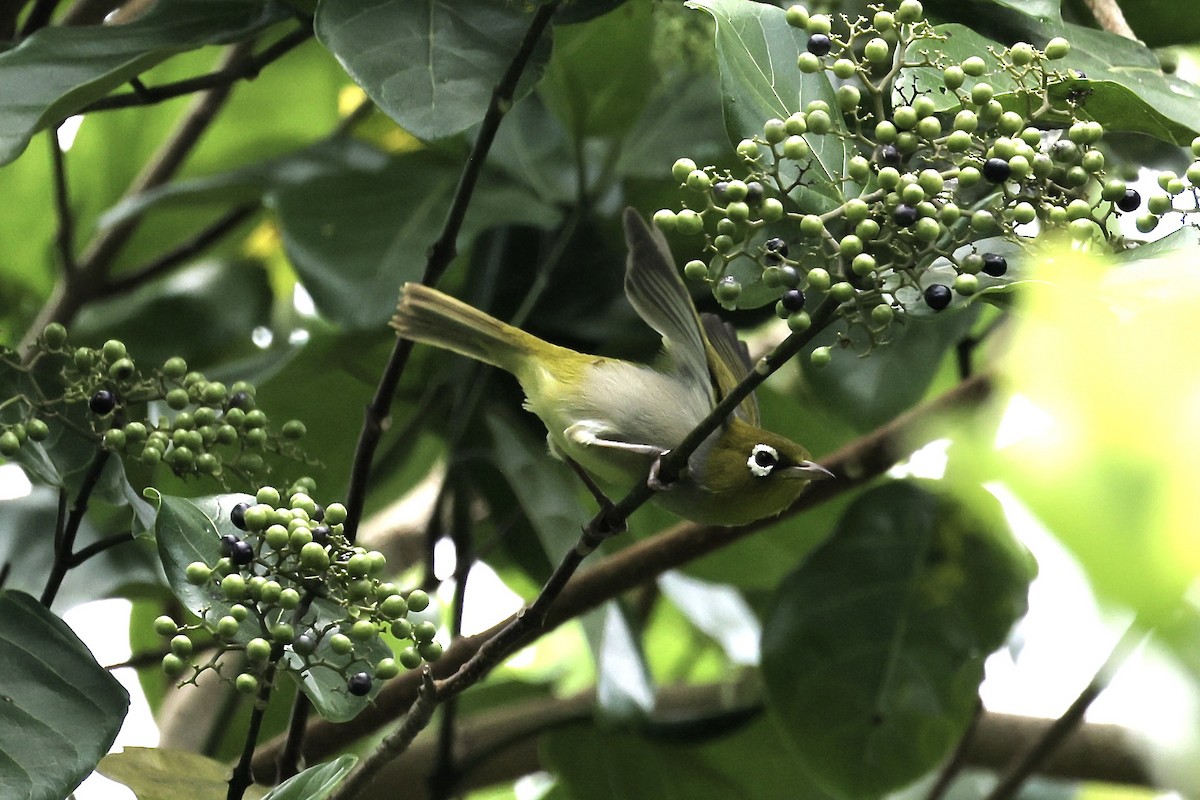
(974, 66)
(54, 336)
(386, 669)
(772, 211)
(953, 76)
(177, 399)
(113, 439)
(664, 219)
(363, 631)
(314, 557)
(198, 573)
(843, 68)
(820, 357)
(9, 444)
(799, 321)
(966, 285)
(113, 351)
(863, 264)
(424, 631)
(431, 650)
(393, 607)
(173, 665)
(227, 627)
(341, 644)
(818, 279)
(796, 148)
(402, 629)
(1021, 54)
(418, 600)
(283, 633)
(258, 650)
(409, 658)
(246, 683)
(797, 16)
(841, 292)
(181, 646)
(1057, 48)
(1146, 222)
(882, 314)
(233, 587)
(910, 11)
(682, 168)
(808, 63)
(288, 599)
(820, 122)
(819, 23)
(165, 626)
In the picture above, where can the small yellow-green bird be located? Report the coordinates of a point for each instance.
(615, 418)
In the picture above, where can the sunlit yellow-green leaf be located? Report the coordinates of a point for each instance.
(1108, 355)
(159, 774)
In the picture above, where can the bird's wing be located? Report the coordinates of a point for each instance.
(657, 293)
(728, 363)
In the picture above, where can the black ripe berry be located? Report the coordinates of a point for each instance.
(905, 216)
(793, 300)
(241, 400)
(776, 245)
(819, 44)
(318, 512)
(994, 264)
(103, 402)
(237, 515)
(937, 296)
(996, 170)
(719, 189)
(227, 544)
(359, 684)
(754, 193)
(242, 553)
(1130, 201)
(889, 155)
(320, 534)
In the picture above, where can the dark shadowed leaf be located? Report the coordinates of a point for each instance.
(59, 710)
(59, 70)
(874, 650)
(431, 64)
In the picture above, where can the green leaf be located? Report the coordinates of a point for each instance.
(430, 65)
(60, 69)
(155, 773)
(874, 649)
(867, 391)
(59, 710)
(719, 610)
(189, 530)
(316, 782)
(756, 53)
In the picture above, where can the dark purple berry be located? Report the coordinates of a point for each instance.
(304, 644)
(994, 264)
(996, 170)
(889, 155)
(242, 553)
(937, 296)
(359, 684)
(719, 188)
(103, 402)
(241, 400)
(776, 245)
(318, 513)
(793, 300)
(227, 544)
(754, 193)
(320, 534)
(237, 515)
(819, 44)
(905, 216)
(1130, 202)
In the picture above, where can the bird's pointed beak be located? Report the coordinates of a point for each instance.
(814, 471)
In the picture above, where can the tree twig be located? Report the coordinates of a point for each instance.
(200, 241)
(1040, 750)
(244, 69)
(440, 254)
(64, 544)
(64, 238)
(958, 759)
(96, 548)
(1108, 13)
(241, 778)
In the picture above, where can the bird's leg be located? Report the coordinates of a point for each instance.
(606, 505)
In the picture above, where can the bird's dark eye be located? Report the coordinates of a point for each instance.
(763, 459)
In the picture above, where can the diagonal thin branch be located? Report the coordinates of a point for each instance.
(859, 462)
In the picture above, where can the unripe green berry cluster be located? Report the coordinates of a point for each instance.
(166, 414)
(932, 164)
(303, 597)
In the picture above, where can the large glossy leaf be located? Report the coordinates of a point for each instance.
(189, 530)
(59, 70)
(60, 710)
(756, 53)
(430, 65)
(867, 391)
(154, 773)
(874, 649)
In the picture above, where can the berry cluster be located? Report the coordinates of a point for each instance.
(195, 426)
(290, 590)
(911, 180)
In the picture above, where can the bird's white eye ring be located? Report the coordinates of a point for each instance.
(763, 459)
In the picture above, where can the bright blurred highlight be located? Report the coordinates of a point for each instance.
(1108, 353)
